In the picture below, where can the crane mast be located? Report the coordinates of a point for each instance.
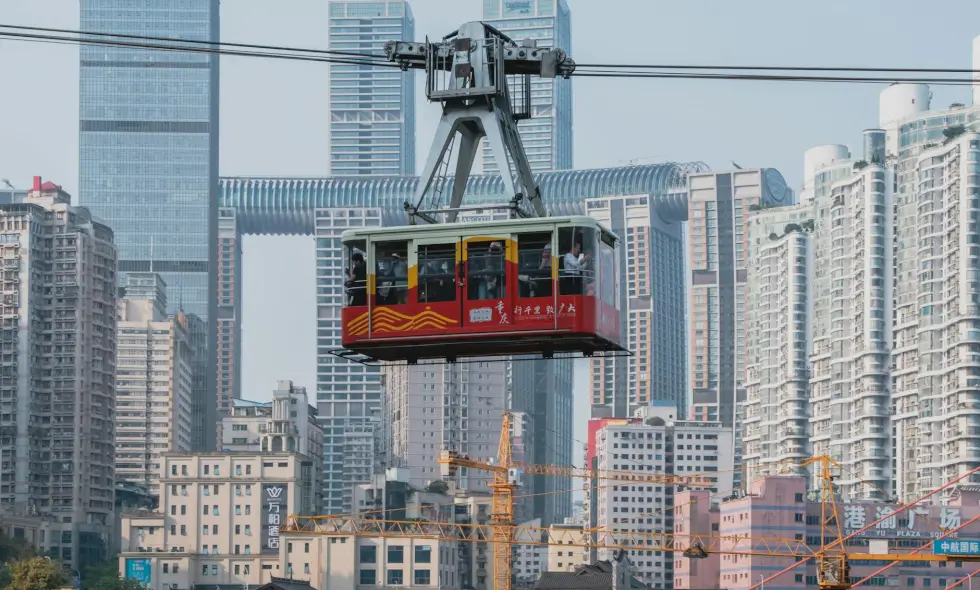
(468, 72)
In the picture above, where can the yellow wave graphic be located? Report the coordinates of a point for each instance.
(387, 320)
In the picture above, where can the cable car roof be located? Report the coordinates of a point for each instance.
(501, 224)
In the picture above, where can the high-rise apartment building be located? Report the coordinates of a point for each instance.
(656, 443)
(57, 386)
(456, 407)
(229, 317)
(718, 204)
(148, 151)
(778, 317)
(285, 423)
(547, 134)
(651, 301)
(154, 381)
(372, 109)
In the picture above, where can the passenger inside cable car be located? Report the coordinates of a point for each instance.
(486, 270)
(534, 265)
(356, 280)
(391, 274)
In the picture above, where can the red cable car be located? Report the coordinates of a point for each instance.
(495, 288)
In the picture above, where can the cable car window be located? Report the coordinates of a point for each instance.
(485, 263)
(534, 265)
(391, 273)
(355, 273)
(437, 273)
(607, 273)
(576, 273)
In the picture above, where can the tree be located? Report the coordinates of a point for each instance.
(36, 573)
(106, 577)
(860, 165)
(951, 133)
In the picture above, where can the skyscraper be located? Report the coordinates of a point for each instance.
(651, 301)
(372, 109)
(57, 385)
(148, 146)
(547, 135)
(718, 206)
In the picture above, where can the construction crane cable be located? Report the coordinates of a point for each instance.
(779, 68)
(839, 542)
(966, 578)
(580, 73)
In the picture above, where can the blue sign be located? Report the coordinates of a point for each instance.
(955, 547)
(139, 570)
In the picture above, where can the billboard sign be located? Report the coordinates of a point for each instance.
(517, 7)
(139, 570)
(274, 510)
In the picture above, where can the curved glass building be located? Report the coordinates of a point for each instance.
(349, 395)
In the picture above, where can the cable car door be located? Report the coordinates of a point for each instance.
(488, 270)
(434, 280)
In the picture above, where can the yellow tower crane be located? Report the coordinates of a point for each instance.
(508, 476)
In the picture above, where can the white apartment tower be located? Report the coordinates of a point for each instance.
(57, 383)
(446, 407)
(940, 443)
(153, 381)
(660, 444)
(777, 343)
(286, 423)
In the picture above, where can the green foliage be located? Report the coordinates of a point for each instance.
(35, 573)
(808, 225)
(106, 577)
(860, 165)
(437, 487)
(951, 133)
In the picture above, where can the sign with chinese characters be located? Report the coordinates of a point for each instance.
(275, 507)
(139, 570)
(916, 522)
(517, 7)
(948, 547)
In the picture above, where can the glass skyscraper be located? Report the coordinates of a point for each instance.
(148, 146)
(372, 109)
(547, 135)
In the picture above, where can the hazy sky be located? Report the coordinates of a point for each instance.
(274, 112)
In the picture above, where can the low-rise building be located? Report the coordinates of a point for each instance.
(286, 423)
(783, 504)
(219, 520)
(568, 548)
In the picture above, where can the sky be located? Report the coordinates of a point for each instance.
(274, 112)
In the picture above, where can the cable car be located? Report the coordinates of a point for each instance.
(489, 288)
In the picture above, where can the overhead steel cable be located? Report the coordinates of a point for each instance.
(80, 37)
(781, 68)
(191, 49)
(770, 78)
(280, 48)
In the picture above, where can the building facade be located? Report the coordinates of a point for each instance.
(58, 383)
(651, 299)
(372, 109)
(567, 556)
(783, 503)
(229, 318)
(778, 318)
(547, 134)
(154, 382)
(218, 521)
(657, 443)
(148, 151)
(286, 423)
(718, 207)
(454, 407)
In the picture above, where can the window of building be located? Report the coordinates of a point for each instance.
(423, 554)
(396, 577)
(369, 577)
(396, 554)
(423, 577)
(369, 554)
